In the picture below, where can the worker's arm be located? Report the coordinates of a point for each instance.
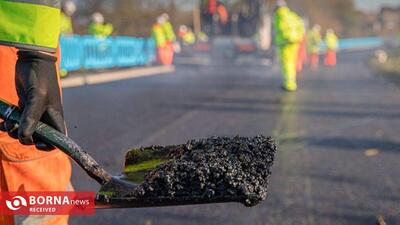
(36, 74)
(39, 96)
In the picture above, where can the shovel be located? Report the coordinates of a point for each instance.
(114, 191)
(69, 147)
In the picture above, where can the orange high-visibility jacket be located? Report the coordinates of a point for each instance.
(33, 25)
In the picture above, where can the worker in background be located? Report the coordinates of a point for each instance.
(332, 44)
(211, 6)
(67, 11)
(98, 28)
(288, 33)
(201, 36)
(164, 55)
(223, 13)
(303, 55)
(314, 40)
(168, 28)
(28, 78)
(186, 35)
(208, 8)
(170, 35)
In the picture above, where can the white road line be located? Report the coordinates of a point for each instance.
(91, 79)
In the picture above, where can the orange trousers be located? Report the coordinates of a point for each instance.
(166, 54)
(330, 58)
(24, 168)
(302, 57)
(314, 61)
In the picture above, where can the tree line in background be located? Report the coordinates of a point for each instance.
(135, 17)
(131, 17)
(340, 15)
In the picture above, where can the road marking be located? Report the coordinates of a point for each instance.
(91, 79)
(371, 152)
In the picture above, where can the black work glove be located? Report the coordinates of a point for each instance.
(39, 97)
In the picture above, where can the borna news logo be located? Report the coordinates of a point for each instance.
(16, 203)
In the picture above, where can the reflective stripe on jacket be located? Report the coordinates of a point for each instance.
(30, 24)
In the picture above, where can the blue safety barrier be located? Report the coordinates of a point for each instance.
(151, 50)
(353, 43)
(71, 53)
(98, 52)
(89, 52)
(356, 43)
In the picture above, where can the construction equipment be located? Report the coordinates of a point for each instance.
(126, 190)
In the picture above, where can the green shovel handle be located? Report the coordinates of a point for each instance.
(51, 136)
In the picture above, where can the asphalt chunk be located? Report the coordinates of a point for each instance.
(213, 168)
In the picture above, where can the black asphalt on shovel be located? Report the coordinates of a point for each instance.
(213, 170)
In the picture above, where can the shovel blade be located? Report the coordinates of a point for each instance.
(145, 165)
(139, 162)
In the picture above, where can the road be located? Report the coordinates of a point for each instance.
(339, 148)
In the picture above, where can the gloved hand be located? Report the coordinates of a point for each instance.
(39, 97)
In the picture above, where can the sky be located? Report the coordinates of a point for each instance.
(371, 5)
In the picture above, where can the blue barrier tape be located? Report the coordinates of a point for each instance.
(89, 52)
(353, 43)
(360, 43)
(71, 53)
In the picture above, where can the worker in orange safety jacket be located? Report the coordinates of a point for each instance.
(164, 54)
(223, 13)
(314, 41)
(332, 44)
(303, 55)
(28, 78)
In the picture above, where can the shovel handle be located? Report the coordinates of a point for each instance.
(51, 136)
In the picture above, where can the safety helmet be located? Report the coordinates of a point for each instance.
(280, 3)
(165, 16)
(183, 28)
(161, 20)
(329, 30)
(316, 27)
(98, 18)
(69, 7)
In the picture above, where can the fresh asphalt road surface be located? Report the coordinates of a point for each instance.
(339, 143)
